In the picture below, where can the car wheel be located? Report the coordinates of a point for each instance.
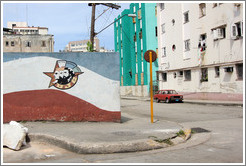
(157, 100)
(167, 100)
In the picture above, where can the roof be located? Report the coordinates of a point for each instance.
(31, 27)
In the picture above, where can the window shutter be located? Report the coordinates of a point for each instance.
(241, 28)
(234, 32)
(215, 33)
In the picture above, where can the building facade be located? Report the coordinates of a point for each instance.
(201, 49)
(81, 46)
(23, 38)
(133, 37)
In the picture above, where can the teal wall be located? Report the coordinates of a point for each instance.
(130, 60)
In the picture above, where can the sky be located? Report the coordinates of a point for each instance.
(66, 21)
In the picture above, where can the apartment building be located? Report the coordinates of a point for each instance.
(81, 46)
(201, 49)
(133, 37)
(23, 38)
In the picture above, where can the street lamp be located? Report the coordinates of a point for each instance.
(129, 15)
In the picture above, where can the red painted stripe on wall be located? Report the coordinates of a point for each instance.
(53, 105)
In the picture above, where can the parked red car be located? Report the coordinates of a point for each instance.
(168, 95)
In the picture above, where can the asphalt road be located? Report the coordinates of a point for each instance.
(222, 144)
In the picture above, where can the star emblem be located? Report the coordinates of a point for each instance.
(70, 75)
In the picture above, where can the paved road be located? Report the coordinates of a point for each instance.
(223, 144)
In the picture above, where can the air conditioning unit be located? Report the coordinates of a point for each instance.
(228, 69)
(220, 33)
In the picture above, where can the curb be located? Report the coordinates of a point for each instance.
(106, 147)
(97, 148)
(214, 103)
(191, 102)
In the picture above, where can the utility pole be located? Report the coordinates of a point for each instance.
(93, 24)
(93, 5)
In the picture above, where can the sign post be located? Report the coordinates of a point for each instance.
(150, 56)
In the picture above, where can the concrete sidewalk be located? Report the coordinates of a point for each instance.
(214, 102)
(133, 134)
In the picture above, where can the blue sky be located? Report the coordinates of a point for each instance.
(66, 21)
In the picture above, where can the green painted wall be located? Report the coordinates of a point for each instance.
(130, 60)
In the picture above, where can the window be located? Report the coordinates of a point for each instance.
(163, 28)
(173, 47)
(173, 21)
(187, 45)
(180, 73)
(134, 20)
(7, 43)
(135, 37)
(174, 75)
(140, 34)
(202, 8)
(28, 44)
(204, 76)
(162, 6)
(13, 25)
(43, 44)
(156, 31)
(239, 68)
(156, 11)
(217, 71)
(215, 5)
(164, 77)
(202, 42)
(237, 30)
(186, 17)
(219, 33)
(164, 54)
(187, 75)
(139, 14)
(12, 43)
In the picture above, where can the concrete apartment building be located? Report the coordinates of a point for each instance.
(133, 37)
(201, 49)
(24, 38)
(81, 46)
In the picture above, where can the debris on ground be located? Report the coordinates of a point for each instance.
(14, 135)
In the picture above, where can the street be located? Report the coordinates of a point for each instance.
(222, 144)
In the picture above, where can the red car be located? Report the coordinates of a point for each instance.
(168, 95)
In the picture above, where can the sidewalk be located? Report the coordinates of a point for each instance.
(131, 135)
(214, 102)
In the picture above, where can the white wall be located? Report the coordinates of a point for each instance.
(223, 52)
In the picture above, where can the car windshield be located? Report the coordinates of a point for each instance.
(171, 92)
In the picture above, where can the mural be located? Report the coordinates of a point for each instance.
(65, 75)
(61, 87)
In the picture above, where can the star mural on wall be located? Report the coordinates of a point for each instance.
(65, 75)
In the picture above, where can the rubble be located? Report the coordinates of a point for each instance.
(14, 135)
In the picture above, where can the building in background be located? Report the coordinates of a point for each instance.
(81, 46)
(133, 37)
(201, 49)
(23, 38)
